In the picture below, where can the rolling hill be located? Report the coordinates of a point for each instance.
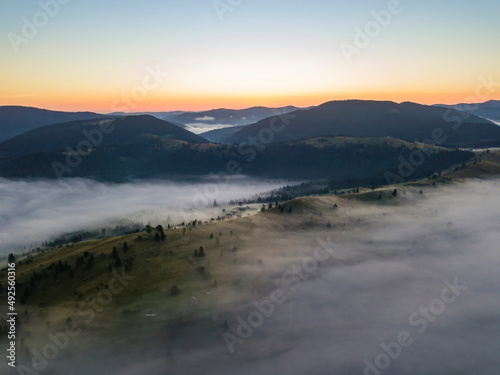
(161, 115)
(15, 120)
(218, 135)
(126, 130)
(341, 161)
(174, 303)
(357, 118)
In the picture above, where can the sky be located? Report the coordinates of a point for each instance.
(164, 55)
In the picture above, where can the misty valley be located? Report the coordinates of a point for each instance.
(340, 283)
(234, 187)
(133, 242)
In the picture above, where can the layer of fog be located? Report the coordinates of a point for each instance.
(388, 262)
(32, 212)
(200, 127)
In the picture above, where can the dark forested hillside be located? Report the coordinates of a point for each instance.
(346, 163)
(358, 118)
(104, 132)
(15, 120)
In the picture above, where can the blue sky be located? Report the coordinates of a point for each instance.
(261, 52)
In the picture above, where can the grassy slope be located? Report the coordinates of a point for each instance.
(157, 266)
(321, 142)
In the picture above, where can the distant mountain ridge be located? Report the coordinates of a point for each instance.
(489, 110)
(15, 120)
(125, 130)
(359, 118)
(233, 117)
(160, 115)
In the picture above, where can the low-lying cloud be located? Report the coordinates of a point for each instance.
(35, 211)
(423, 273)
(205, 118)
(199, 127)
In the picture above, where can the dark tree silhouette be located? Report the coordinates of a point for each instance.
(79, 261)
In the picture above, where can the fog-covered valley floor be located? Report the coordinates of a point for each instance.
(34, 211)
(403, 285)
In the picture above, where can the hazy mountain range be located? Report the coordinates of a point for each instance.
(104, 132)
(356, 118)
(330, 142)
(15, 120)
(232, 117)
(489, 110)
(160, 115)
(353, 117)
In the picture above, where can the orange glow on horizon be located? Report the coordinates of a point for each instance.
(108, 104)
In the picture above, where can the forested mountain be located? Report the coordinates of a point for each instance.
(357, 118)
(343, 162)
(104, 132)
(15, 120)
